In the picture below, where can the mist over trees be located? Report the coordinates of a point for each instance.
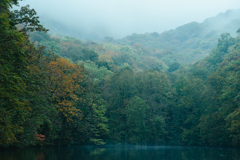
(136, 90)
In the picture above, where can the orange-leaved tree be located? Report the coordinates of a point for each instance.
(64, 84)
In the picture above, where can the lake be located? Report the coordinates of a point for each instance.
(119, 152)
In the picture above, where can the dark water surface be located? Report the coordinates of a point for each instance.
(117, 152)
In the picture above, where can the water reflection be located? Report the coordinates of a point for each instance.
(119, 152)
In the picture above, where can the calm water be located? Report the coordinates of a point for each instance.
(121, 152)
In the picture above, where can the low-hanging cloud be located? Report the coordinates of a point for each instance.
(119, 18)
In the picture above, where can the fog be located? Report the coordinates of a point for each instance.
(119, 18)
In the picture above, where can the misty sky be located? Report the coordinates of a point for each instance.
(118, 18)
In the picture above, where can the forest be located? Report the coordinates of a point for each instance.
(60, 90)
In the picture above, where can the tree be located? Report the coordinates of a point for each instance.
(64, 81)
(118, 91)
(173, 66)
(135, 112)
(16, 75)
(156, 90)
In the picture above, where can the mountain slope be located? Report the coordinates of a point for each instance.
(189, 42)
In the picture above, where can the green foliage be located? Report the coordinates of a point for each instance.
(190, 42)
(99, 73)
(93, 126)
(27, 19)
(173, 66)
(119, 90)
(136, 114)
(217, 55)
(106, 93)
(15, 57)
(89, 55)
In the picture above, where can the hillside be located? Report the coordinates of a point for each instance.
(189, 42)
(186, 44)
(166, 51)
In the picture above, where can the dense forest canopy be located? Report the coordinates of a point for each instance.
(65, 91)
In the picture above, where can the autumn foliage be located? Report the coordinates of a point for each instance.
(64, 83)
(40, 137)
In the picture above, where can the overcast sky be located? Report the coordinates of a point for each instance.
(118, 18)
